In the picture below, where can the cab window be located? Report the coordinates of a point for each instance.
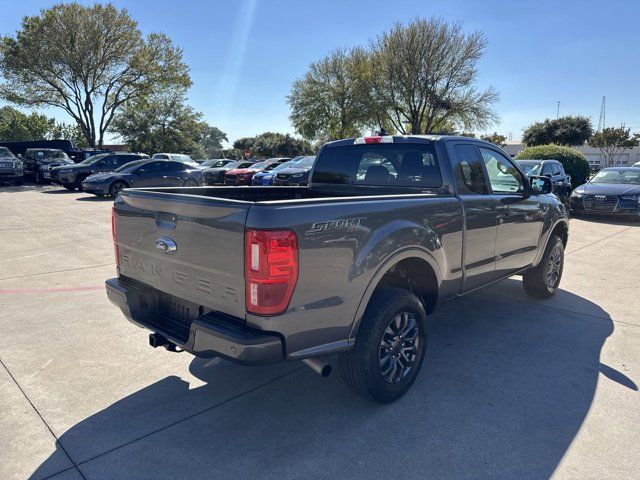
(504, 177)
(469, 175)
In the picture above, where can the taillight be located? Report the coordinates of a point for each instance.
(114, 236)
(271, 270)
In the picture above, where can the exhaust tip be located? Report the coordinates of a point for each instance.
(321, 367)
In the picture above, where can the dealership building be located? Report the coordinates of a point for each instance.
(627, 158)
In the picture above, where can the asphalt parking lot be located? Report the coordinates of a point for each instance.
(511, 387)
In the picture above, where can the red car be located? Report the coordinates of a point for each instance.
(243, 176)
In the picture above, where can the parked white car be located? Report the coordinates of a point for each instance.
(178, 157)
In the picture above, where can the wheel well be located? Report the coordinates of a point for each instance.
(561, 230)
(415, 275)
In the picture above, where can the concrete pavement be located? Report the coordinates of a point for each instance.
(511, 387)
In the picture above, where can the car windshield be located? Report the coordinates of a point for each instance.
(530, 168)
(127, 167)
(214, 163)
(94, 158)
(259, 166)
(630, 177)
(5, 152)
(284, 165)
(305, 162)
(181, 158)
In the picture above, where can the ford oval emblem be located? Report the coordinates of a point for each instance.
(166, 245)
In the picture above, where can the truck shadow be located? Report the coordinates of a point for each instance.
(505, 387)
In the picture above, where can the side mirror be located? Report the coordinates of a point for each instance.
(541, 185)
(19, 155)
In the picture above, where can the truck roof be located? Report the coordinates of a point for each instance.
(411, 138)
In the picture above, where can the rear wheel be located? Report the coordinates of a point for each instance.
(115, 188)
(543, 280)
(190, 182)
(69, 187)
(389, 348)
(78, 183)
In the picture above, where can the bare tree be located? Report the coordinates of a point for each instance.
(87, 60)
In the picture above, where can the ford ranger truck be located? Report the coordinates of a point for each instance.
(389, 228)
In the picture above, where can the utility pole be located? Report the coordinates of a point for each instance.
(601, 121)
(558, 110)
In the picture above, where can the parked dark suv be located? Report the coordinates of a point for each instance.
(72, 176)
(144, 173)
(39, 161)
(552, 169)
(11, 169)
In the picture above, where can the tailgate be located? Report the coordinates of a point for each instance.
(206, 266)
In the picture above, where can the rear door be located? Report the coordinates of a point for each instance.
(174, 174)
(150, 175)
(207, 265)
(480, 212)
(519, 213)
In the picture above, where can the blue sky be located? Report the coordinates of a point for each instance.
(244, 54)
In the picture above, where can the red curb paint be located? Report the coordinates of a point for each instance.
(17, 291)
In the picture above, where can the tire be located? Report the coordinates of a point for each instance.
(115, 188)
(190, 182)
(78, 183)
(18, 183)
(39, 177)
(70, 187)
(365, 368)
(543, 280)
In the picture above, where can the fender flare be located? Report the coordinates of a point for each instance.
(548, 237)
(397, 257)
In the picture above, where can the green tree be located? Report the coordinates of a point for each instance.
(66, 131)
(612, 142)
(328, 102)
(163, 122)
(88, 61)
(18, 126)
(568, 130)
(270, 144)
(425, 74)
(211, 141)
(499, 140)
(574, 162)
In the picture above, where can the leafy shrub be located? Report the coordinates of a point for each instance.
(573, 161)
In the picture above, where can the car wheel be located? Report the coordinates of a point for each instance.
(78, 183)
(389, 348)
(18, 183)
(190, 182)
(543, 280)
(70, 187)
(39, 177)
(115, 188)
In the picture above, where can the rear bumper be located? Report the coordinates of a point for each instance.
(209, 335)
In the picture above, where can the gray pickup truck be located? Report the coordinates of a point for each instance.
(389, 228)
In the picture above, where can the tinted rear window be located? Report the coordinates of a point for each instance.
(398, 164)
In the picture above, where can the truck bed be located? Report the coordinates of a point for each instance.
(276, 194)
